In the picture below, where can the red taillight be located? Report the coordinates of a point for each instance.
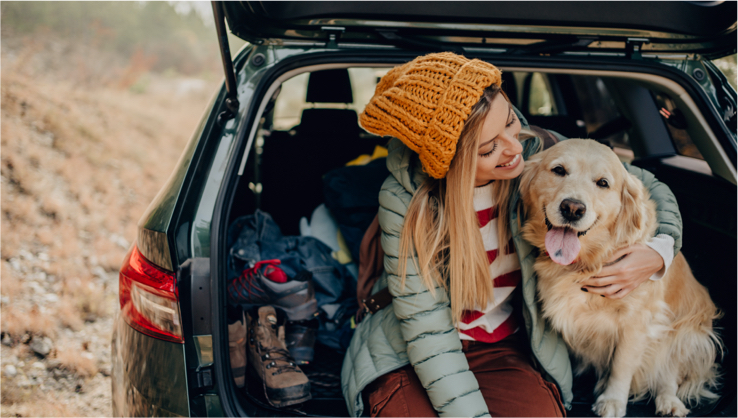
(148, 298)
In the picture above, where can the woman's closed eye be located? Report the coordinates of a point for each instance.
(487, 154)
(513, 119)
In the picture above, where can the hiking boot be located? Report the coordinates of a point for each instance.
(300, 340)
(284, 383)
(267, 284)
(237, 350)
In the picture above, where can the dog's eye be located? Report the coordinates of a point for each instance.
(603, 183)
(559, 171)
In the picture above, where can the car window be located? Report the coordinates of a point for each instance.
(540, 98)
(599, 111)
(537, 97)
(291, 100)
(676, 124)
(363, 83)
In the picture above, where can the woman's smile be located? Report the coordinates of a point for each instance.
(511, 164)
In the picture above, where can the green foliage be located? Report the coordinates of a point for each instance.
(179, 42)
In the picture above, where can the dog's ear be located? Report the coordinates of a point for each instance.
(529, 172)
(632, 212)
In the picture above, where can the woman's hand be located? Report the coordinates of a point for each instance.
(630, 267)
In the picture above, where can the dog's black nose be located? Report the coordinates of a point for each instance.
(572, 210)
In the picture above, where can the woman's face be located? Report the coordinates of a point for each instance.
(499, 152)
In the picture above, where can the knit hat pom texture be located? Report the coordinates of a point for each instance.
(425, 103)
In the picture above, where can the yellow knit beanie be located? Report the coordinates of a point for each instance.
(425, 103)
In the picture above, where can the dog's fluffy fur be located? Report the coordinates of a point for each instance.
(658, 340)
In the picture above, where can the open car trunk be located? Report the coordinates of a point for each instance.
(297, 142)
(706, 28)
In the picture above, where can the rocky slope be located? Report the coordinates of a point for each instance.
(80, 163)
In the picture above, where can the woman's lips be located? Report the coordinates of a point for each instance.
(511, 164)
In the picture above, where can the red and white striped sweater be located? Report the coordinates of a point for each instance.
(496, 321)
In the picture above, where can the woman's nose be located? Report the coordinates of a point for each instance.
(512, 145)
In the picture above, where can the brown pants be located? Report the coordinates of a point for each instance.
(508, 382)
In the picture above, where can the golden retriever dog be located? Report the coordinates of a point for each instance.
(581, 206)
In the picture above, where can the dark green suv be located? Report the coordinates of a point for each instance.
(636, 75)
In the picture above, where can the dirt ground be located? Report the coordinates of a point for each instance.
(81, 161)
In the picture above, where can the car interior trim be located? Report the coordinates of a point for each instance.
(273, 88)
(725, 170)
(691, 164)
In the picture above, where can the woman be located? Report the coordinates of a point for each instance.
(456, 339)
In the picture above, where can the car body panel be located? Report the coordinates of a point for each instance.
(148, 377)
(154, 225)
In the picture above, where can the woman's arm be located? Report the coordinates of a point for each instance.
(433, 344)
(667, 210)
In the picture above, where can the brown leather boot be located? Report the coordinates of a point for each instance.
(284, 383)
(237, 349)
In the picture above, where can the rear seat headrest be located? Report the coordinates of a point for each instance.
(328, 122)
(329, 86)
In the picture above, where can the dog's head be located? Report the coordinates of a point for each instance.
(578, 193)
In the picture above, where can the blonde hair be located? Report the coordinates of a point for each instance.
(443, 226)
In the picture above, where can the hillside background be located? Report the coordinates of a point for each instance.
(98, 101)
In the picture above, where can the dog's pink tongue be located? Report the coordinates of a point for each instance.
(562, 245)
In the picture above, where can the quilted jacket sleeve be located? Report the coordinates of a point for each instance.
(433, 344)
(667, 210)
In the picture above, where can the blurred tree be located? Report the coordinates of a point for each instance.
(181, 42)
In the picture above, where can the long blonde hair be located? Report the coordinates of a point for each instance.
(442, 224)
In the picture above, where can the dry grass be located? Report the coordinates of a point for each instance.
(69, 315)
(9, 283)
(73, 360)
(79, 166)
(19, 323)
(87, 297)
(24, 402)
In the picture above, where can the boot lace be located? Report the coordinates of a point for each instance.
(247, 287)
(280, 363)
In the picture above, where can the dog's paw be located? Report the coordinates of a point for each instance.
(670, 405)
(609, 407)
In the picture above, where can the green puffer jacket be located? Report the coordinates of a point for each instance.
(417, 328)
